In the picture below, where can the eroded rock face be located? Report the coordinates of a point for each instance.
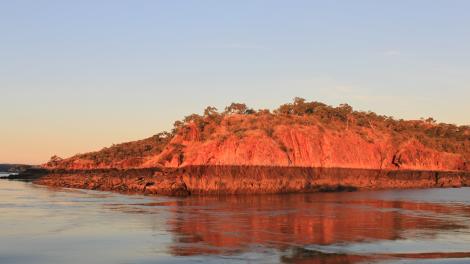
(250, 179)
(272, 153)
(288, 145)
(257, 179)
(308, 146)
(144, 181)
(413, 155)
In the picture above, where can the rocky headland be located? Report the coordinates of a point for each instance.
(299, 147)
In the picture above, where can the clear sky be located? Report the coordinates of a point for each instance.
(77, 76)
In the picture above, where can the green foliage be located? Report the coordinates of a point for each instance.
(135, 149)
(238, 108)
(210, 111)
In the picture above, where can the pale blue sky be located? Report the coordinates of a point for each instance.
(80, 75)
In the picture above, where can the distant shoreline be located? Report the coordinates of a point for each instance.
(6, 175)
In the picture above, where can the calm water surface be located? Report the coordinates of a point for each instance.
(43, 225)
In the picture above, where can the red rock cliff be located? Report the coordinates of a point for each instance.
(304, 135)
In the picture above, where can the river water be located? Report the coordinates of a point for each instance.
(44, 225)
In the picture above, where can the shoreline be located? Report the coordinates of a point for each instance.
(203, 180)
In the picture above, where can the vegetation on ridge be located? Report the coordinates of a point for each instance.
(237, 118)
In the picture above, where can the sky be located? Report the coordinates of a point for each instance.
(76, 76)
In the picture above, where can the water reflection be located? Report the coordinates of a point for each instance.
(43, 225)
(226, 225)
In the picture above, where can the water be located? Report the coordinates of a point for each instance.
(43, 225)
(4, 174)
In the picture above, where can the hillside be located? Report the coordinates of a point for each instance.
(297, 134)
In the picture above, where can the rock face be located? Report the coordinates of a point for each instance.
(290, 146)
(250, 179)
(301, 147)
(311, 146)
(144, 181)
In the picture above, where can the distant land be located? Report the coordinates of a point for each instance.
(327, 144)
(14, 167)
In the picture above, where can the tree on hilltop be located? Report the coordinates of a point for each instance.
(210, 111)
(238, 108)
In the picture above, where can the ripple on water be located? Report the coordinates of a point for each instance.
(44, 225)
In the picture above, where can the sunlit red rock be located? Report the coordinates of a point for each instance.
(272, 144)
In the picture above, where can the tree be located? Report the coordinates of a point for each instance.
(55, 158)
(299, 101)
(236, 108)
(192, 118)
(176, 126)
(210, 111)
(346, 108)
(343, 111)
(264, 111)
(250, 111)
(300, 107)
(286, 109)
(430, 120)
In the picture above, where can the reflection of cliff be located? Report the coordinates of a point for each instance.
(251, 179)
(205, 225)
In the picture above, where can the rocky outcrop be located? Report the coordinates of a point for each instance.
(143, 181)
(255, 179)
(250, 179)
(307, 146)
(289, 146)
(413, 155)
(301, 147)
